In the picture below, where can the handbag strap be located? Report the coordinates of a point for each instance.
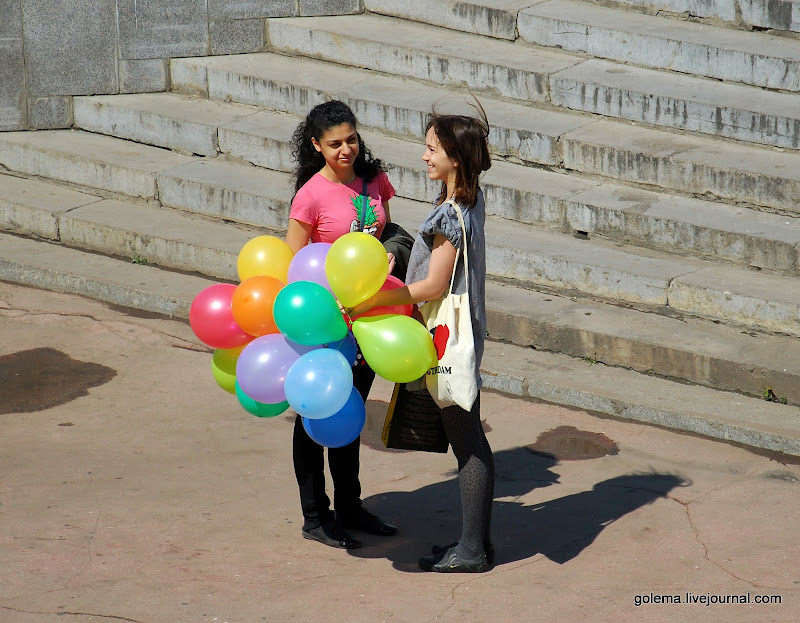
(458, 251)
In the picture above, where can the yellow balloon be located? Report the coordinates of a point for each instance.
(223, 367)
(264, 256)
(397, 347)
(356, 267)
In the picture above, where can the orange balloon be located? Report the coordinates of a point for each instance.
(252, 304)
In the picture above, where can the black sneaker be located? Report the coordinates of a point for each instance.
(488, 548)
(331, 534)
(451, 562)
(367, 522)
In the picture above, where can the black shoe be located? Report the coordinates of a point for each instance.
(367, 522)
(451, 562)
(489, 549)
(331, 534)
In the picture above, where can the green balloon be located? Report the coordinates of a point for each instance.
(397, 347)
(306, 313)
(259, 409)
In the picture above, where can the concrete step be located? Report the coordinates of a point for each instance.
(389, 104)
(680, 102)
(756, 59)
(630, 395)
(425, 52)
(690, 349)
(679, 347)
(515, 252)
(187, 125)
(90, 160)
(728, 170)
(54, 267)
(637, 94)
(512, 369)
(773, 14)
(547, 199)
(497, 18)
(228, 190)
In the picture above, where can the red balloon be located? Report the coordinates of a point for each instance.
(211, 318)
(390, 284)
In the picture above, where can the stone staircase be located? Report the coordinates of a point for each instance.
(643, 203)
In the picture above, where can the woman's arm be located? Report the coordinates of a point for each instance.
(298, 235)
(386, 211)
(435, 284)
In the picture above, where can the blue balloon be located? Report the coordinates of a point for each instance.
(347, 346)
(318, 384)
(342, 427)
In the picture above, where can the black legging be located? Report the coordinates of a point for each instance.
(309, 467)
(475, 475)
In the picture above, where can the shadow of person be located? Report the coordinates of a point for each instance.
(560, 529)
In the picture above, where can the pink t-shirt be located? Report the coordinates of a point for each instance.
(331, 208)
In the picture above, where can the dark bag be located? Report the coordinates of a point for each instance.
(414, 421)
(398, 242)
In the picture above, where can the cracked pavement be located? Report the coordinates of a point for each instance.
(153, 497)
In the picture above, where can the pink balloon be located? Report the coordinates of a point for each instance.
(262, 366)
(211, 318)
(308, 264)
(390, 284)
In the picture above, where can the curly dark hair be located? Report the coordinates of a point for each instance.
(321, 119)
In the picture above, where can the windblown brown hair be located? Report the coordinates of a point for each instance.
(465, 140)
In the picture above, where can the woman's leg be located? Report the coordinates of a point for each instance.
(310, 472)
(344, 462)
(475, 476)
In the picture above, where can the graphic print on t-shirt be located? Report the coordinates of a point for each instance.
(365, 213)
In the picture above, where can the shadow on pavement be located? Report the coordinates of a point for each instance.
(560, 529)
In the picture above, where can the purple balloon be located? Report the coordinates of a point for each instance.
(308, 264)
(262, 366)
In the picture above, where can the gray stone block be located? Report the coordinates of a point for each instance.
(330, 7)
(780, 14)
(688, 163)
(238, 36)
(230, 191)
(735, 295)
(70, 47)
(162, 29)
(404, 48)
(50, 113)
(498, 20)
(13, 108)
(677, 101)
(722, 9)
(187, 75)
(11, 24)
(144, 76)
(33, 208)
(699, 49)
(247, 9)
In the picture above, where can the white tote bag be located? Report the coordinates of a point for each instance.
(453, 380)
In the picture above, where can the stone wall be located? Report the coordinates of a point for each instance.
(51, 50)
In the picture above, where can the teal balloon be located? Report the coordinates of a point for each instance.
(259, 409)
(306, 313)
(397, 347)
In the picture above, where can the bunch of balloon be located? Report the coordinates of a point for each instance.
(231, 318)
(396, 346)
